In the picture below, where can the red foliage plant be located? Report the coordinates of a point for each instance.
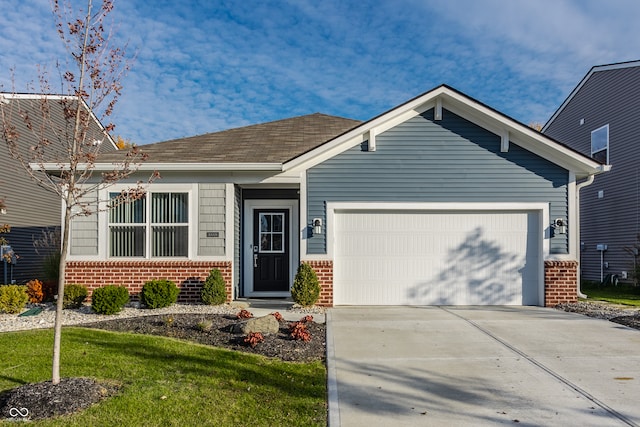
(35, 291)
(306, 319)
(298, 331)
(253, 339)
(278, 316)
(244, 314)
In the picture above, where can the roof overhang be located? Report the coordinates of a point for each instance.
(445, 97)
(6, 97)
(592, 71)
(144, 166)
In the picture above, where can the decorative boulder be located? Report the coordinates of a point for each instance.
(265, 325)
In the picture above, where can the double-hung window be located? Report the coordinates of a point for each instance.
(155, 226)
(600, 144)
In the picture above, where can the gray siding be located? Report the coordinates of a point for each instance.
(84, 230)
(211, 218)
(451, 160)
(608, 97)
(32, 211)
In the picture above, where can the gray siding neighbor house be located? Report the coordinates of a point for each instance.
(33, 213)
(440, 200)
(600, 118)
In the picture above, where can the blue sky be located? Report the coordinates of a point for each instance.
(206, 65)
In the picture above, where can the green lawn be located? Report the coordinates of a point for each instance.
(169, 382)
(621, 294)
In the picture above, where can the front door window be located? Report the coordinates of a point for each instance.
(272, 232)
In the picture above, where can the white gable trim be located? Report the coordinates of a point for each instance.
(508, 129)
(584, 80)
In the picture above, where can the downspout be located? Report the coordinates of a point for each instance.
(579, 187)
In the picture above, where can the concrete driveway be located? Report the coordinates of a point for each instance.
(473, 366)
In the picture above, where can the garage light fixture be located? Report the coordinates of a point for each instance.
(317, 226)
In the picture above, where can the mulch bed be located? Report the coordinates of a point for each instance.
(218, 334)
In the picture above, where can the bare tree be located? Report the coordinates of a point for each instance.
(68, 149)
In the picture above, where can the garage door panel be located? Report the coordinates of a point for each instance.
(427, 258)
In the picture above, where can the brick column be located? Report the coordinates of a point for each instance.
(324, 271)
(560, 282)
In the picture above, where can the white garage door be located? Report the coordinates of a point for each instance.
(437, 258)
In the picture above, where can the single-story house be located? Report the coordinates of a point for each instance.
(439, 201)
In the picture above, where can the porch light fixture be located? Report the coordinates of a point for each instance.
(317, 226)
(560, 226)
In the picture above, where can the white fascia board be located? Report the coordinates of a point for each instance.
(36, 96)
(521, 135)
(143, 166)
(584, 80)
(358, 135)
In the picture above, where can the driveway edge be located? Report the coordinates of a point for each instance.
(332, 382)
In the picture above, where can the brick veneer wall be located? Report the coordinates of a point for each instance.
(188, 275)
(324, 271)
(560, 282)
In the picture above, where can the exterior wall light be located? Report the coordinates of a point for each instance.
(317, 226)
(560, 226)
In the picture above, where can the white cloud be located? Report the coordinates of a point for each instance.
(205, 66)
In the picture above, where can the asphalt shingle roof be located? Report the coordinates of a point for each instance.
(272, 142)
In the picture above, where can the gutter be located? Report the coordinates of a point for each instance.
(579, 187)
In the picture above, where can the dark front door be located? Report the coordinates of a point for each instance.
(270, 250)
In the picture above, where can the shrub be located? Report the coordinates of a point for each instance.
(214, 290)
(13, 298)
(278, 316)
(159, 293)
(74, 295)
(109, 299)
(49, 290)
(298, 331)
(204, 325)
(244, 314)
(35, 291)
(253, 339)
(306, 288)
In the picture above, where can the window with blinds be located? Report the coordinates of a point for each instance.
(162, 233)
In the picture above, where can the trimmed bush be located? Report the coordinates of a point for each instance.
(74, 295)
(214, 290)
(13, 298)
(306, 288)
(159, 293)
(109, 299)
(35, 291)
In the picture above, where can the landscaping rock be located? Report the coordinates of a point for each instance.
(265, 325)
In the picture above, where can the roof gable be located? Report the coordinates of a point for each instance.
(32, 104)
(592, 71)
(446, 98)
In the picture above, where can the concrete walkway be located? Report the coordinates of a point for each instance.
(474, 366)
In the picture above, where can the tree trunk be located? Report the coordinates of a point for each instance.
(57, 334)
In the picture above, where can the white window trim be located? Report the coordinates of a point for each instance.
(591, 141)
(103, 221)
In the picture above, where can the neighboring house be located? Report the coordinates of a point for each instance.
(32, 212)
(441, 200)
(600, 118)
